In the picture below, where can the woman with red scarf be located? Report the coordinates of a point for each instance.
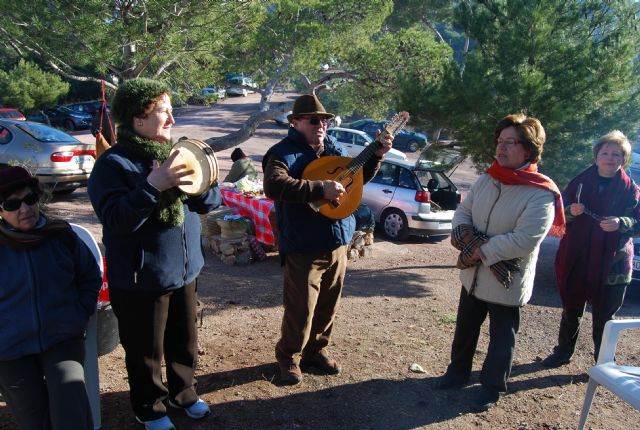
(498, 229)
(593, 263)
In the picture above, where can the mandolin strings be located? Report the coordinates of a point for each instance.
(396, 123)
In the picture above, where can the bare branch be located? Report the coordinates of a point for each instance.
(433, 28)
(164, 66)
(78, 78)
(147, 60)
(245, 132)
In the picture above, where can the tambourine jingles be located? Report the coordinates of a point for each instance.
(199, 157)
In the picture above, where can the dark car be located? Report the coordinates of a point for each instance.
(405, 140)
(64, 117)
(91, 107)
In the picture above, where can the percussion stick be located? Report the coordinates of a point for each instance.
(579, 192)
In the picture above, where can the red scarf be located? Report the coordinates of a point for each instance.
(530, 176)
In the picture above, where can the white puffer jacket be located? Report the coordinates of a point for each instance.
(516, 218)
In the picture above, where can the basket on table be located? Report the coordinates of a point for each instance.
(209, 222)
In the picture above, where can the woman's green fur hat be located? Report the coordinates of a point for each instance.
(133, 97)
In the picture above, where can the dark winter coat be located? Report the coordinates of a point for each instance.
(142, 253)
(301, 230)
(47, 294)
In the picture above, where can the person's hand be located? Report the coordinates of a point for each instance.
(387, 142)
(610, 224)
(477, 255)
(332, 190)
(576, 209)
(164, 176)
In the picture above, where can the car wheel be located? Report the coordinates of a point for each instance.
(394, 225)
(413, 146)
(69, 125)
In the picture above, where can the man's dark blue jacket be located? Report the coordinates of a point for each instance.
(301, 230)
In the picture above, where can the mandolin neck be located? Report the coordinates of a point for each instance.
(366, 154)
(397, 122)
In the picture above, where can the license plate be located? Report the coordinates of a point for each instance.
(636, 263)
(83, 159)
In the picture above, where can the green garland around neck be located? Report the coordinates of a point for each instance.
(170, 210)
(142, 147)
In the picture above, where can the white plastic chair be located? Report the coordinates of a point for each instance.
(91, 374)
(623, 381)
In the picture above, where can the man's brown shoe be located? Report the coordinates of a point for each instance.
(290, 374)
(321, 361)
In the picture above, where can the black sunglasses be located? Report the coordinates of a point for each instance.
(315, 120)
(11, 205)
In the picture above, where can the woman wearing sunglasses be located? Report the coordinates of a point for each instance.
(49, 283)
(594, 259)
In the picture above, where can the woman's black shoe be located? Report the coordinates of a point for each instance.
(484, 399)
(448, 381)
(556, 359)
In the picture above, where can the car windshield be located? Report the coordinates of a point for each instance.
(44, 133)
(66, 110)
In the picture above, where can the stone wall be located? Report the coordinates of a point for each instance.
(242, 251)
(361, 245)
(230, 251)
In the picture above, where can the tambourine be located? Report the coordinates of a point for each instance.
(199, 157)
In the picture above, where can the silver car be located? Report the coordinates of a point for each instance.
(409, 198)
(213, 90)
(59, 160)
(355, 141)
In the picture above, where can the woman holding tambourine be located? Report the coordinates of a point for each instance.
(142, 192)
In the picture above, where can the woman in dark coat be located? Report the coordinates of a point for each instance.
(151, 232)
(49, 283)
(594, 259)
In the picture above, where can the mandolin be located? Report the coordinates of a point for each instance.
(348, 172)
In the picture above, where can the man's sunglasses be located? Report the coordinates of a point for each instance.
(11, 205)
(315, 120)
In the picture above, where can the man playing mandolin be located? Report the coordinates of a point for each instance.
(312, 247)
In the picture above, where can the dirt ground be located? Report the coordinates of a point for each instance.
(398, 308)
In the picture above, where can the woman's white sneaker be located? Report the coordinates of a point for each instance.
(198, 410)
(162, 423)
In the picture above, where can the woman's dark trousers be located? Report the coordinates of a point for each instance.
(151, 326)
(504, 323)
(47, 390)
(603, 309)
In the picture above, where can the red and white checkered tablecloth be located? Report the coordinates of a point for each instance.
(256, 209)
